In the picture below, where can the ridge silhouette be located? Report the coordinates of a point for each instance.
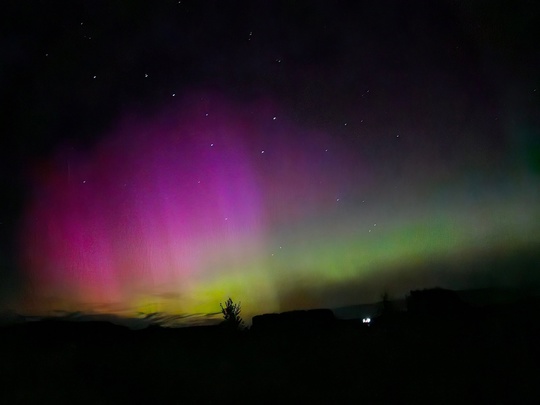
(440, 348)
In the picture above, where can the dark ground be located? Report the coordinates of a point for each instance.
(488, 355)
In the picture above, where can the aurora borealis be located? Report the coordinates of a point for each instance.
(189, 207)
(289, 179)
(173, 214)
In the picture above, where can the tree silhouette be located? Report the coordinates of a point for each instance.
(386, 306)
(231, 314)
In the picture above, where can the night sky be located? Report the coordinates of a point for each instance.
(161, 156)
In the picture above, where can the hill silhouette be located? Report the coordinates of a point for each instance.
(482, 352)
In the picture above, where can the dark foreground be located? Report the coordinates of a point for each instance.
(485, 357)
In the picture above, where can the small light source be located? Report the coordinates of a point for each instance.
(366, 320)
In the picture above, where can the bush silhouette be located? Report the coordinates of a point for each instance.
(231, 314)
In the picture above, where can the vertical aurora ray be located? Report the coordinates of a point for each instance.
(179, 206)
(142, 213)
(176, 212)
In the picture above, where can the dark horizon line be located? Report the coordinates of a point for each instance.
(174, 321)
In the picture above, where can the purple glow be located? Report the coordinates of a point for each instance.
(161, 203)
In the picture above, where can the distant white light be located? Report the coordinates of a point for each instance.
(366, 320)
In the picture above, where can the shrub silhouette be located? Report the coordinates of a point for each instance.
(231, 314)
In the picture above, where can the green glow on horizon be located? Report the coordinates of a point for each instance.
(308, 260)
